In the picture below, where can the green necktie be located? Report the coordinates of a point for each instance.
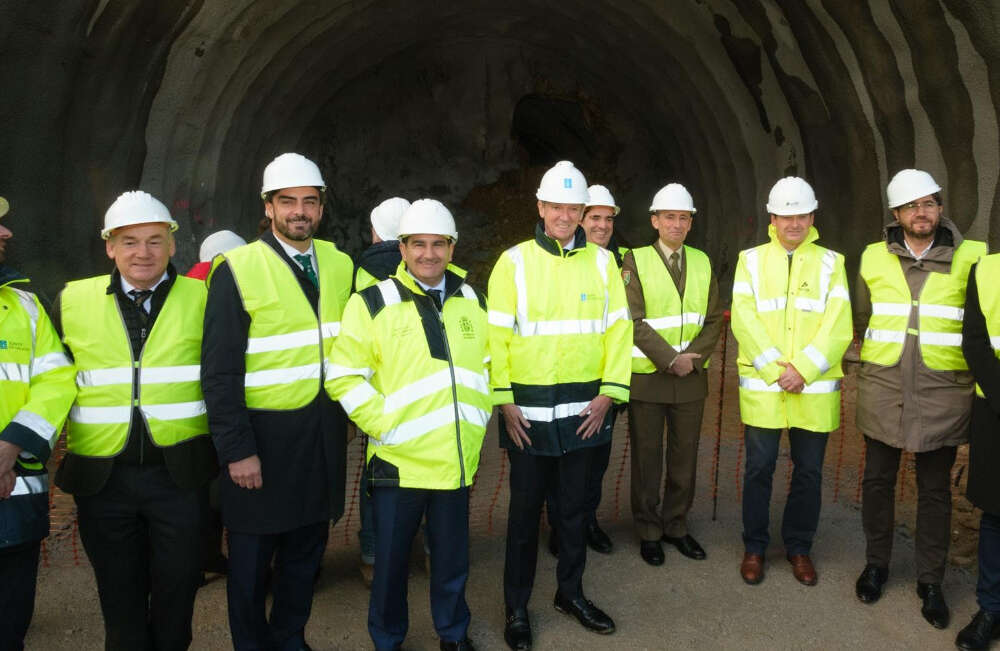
(674, 268)
(307, 267)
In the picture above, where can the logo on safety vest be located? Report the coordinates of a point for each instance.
(804, 285)
(465, 325)
(3, 344)
(626, 276)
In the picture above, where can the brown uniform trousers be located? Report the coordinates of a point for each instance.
(662, 398)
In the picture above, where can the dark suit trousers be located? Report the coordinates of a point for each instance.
(141, 533)
(878, 506)
(18, 576)
(397, 515)
(529, 477)
(297, 555)
(600, 457)
(653, 517)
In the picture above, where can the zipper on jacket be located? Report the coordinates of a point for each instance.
(454, 393)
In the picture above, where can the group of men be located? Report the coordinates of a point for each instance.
(162, 383)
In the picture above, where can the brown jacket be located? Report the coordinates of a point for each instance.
(663, 386)
(910, 406)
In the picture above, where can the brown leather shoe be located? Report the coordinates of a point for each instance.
(752, 568)
(802, 569)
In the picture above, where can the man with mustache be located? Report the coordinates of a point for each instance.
(914, 386)
(792, 319)
(36, 391)
(273, 313)
(674, 300)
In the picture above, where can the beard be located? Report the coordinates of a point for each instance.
(924, 234)
(297, 236)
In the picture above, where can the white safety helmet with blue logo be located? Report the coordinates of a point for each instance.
(563, 183)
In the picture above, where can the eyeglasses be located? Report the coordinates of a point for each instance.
(913, 205)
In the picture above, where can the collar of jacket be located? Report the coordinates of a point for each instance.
(10, 275)
(381, 259)
(946, 235)
(614, 247)
(811, 237)
(550, 245)
(115, 286)
(453, 279)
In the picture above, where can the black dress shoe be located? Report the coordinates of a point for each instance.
(651, 551)
(597, 539)
(464, 645)
(934, 610)
(983, 629)
(687, 546)
(869, 585)
(554, 543)
(590, 616)
(517, 630)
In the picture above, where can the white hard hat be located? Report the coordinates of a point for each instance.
(908, 185)
(601, 196)
(219, 242)
(291, 171)
(673, 196)
(791, 196)
(385, 217)
(427, 216)
(136, 207)
(563, 183)
(4, 207)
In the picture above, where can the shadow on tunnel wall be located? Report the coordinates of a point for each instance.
(469, 102)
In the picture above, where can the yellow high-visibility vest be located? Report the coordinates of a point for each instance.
(287, 343)
(169, 368)
(988, 291)
(940, 308)
(677, 321)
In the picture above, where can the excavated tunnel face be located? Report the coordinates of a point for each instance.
(470, 102)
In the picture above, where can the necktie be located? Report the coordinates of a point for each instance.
(139, 297)
(307, 267)
(435, 295)
(673, 266)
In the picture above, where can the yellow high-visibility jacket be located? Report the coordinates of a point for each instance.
(36, 391)
(287, 344)
(797, 313)
(168, 394)
(560, 334)
(415, 380)
(988, 291)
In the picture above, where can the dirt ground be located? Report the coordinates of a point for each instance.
(684, 604)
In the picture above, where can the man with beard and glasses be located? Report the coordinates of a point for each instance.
(273, 313)
(914, 386)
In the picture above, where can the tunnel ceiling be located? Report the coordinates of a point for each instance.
(468, 102)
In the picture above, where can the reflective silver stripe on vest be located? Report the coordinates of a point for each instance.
(941, 338)
(15, 372)
(549, 414)
(742, 288)
(817, 358)
(100, 377)
(32, 485)
(432, 384)
(886, 336)
(100, 415)
(942, 311)
(827, 263)
(331, 329)
(334, 371)
(357, 396)
(995, 342)
(36, 424)
(48, 362)
(676, 321)
(616, 316)
(637, 352)
(422, 425)
(285, 341)
(389, 291)
(820, 386)
(282, 375)
(500, 319)
(468, 292)
(891, 309)
(770, 355)
(175, 410)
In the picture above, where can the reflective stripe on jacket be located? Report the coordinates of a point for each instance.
(560, 334)
(415, 380)
(677, 321)
(797, 313)
(940, 308)
(287, 344)
(164, 383)
(988, 290)
(36, 391)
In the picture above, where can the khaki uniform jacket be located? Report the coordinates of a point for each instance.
(661, 386)
(910, 406)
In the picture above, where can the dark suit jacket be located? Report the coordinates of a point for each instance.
(663, 386)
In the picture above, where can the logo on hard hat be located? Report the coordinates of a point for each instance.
(567, 183)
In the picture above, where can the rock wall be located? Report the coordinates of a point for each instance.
(468, 102)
